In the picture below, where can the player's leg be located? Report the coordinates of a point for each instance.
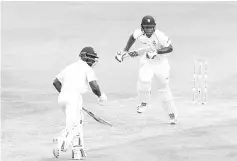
(78, 151)
(164, 93)
(144, 86)
(60, 139)
(64, 140)
(168, 104)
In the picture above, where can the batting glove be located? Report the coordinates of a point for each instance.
(133, 54)
(121, 55)
(151, 55)
(102, 99)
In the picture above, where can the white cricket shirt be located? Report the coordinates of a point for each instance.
(75, 78)
(158, 39)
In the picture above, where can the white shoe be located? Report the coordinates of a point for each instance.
(58, 146)
(141, 108)
(173, 121)
(78, 154)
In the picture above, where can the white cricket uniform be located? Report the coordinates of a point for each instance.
(75, 80)
(159, 66)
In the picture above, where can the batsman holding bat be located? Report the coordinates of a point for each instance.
(71, 83)
(153, 63)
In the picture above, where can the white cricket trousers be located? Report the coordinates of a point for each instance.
(147, 72)
(72, 104)
(160, 71)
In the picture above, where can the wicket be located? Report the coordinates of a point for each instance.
(200, 81)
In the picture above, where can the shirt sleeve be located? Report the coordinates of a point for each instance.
(90, 74)
(163, 39)
(137, 33)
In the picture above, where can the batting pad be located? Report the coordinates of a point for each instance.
(167, 102)
(78, 141)
(76, 130)
(144, 91)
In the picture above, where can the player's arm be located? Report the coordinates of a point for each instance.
(124, 53)
(95, 88)
(102, 98)
(130, 42)
(165, 43)
(57, 84)
(91, 78)
(165, 50)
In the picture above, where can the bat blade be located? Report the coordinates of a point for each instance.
(98, 119)
(140, 51)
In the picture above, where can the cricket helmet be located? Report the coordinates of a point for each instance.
(148, 25)
(89, 56)
(148, 21)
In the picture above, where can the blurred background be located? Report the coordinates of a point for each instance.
(40, 38)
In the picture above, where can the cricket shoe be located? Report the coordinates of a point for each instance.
(141, 108)
(173, 120)
(78, 154)
(59, 145)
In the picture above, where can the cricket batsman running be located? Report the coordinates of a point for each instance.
(153, 63)
(71, 83)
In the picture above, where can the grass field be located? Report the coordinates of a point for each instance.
(40, 38)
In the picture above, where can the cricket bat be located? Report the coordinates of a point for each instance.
(140, 52)
(98, 119)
